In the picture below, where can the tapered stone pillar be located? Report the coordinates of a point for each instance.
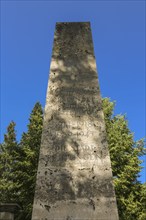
(74, 179)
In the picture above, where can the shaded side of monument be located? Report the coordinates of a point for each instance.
(74, 178)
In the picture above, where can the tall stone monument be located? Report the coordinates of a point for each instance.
(74, 179)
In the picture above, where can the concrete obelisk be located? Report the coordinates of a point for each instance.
(74, 179)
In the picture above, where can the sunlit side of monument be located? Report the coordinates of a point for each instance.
(74, 179)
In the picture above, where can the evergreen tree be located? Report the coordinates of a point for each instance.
(30, 145)
(125, 153)
(8, 165)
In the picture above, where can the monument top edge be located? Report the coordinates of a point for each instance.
(74, 22)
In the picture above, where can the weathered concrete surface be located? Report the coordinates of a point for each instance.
(74, 179)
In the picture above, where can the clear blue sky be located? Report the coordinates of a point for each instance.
(27, 29)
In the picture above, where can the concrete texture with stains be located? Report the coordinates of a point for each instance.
(74, 179)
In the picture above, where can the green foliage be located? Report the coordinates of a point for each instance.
(125, 153)
(8, 165)
(30, 145)
(18, 165)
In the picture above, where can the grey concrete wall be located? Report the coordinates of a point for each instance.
(6, 216)
(74, 179)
